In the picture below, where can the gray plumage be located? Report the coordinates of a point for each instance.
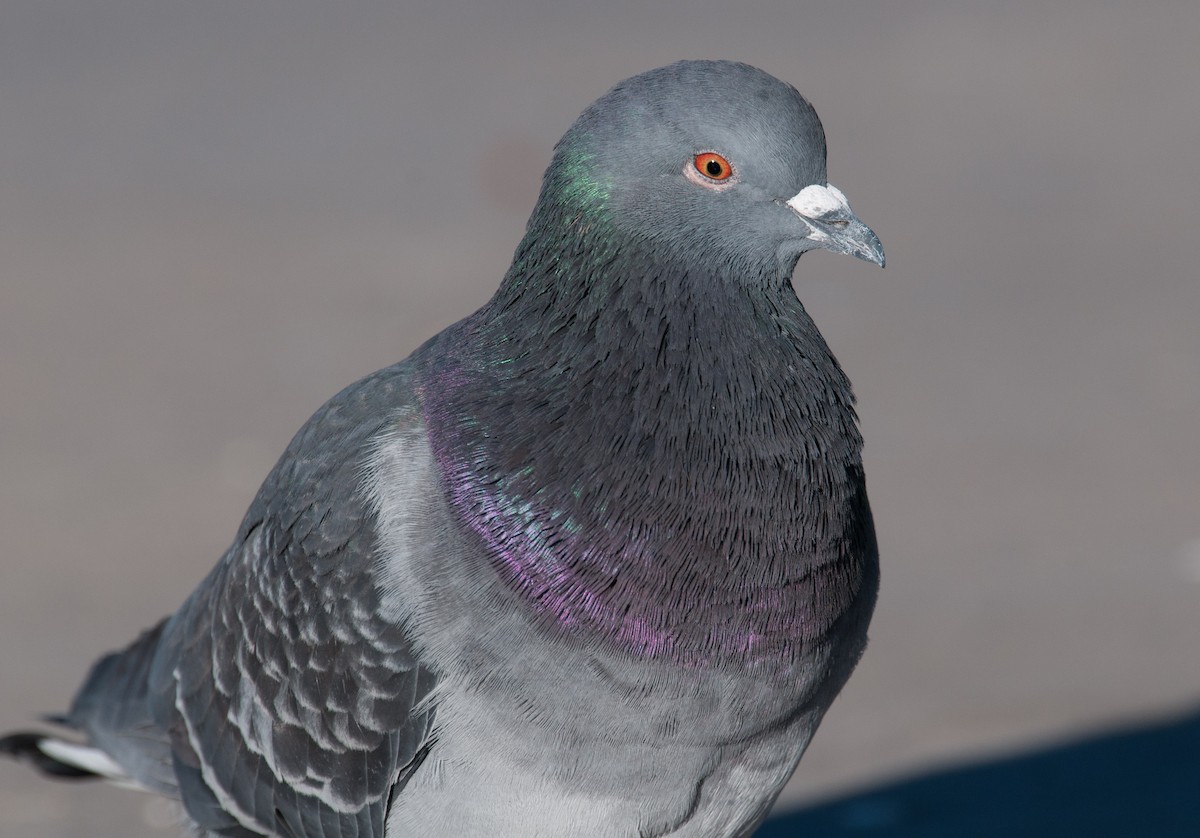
(593, 561)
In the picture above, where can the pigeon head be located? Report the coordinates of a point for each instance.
(706, 160)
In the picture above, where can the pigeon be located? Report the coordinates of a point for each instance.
(593, 561)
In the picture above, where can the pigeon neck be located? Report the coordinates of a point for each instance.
(659, 454)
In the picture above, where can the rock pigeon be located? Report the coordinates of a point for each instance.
(594, 560)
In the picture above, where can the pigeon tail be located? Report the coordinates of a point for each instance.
(61, 759)
(113, 714)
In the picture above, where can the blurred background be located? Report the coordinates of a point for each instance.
(215, 215)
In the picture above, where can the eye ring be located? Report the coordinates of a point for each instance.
(712, 166)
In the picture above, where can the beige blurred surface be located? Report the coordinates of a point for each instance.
(215, 215)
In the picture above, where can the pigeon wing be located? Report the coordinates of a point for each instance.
(291, 706)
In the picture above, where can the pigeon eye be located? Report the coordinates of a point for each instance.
(713, 166)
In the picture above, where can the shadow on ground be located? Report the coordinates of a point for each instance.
(1142, 781)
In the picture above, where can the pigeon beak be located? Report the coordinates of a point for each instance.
(833, 225)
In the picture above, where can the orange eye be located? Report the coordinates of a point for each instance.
(713, 166)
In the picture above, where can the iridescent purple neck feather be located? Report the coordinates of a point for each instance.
(666, 458)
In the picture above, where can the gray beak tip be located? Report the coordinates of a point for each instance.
(871, 250)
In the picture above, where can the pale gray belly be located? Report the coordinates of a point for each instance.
(542, 733)
(493, 774)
